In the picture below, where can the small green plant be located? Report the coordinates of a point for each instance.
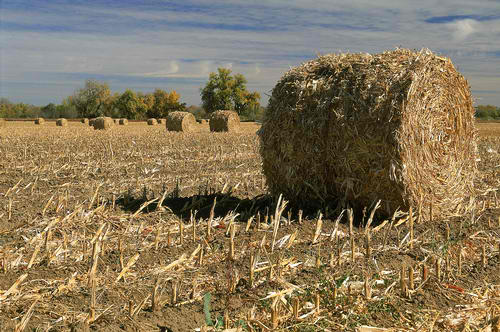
(219, 321)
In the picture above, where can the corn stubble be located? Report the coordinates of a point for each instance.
(87, 244)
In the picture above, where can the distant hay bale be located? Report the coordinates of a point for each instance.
(123, 122)
(116, 121)
(91, 122)
(224, 121)
(61, 122)
(356, 128)
(162, 121)
(152, 122)
(39, 121)
(103, 123)
(84, 121)
(203, 121)
(181, 121)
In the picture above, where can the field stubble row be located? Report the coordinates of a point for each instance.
(85, 244)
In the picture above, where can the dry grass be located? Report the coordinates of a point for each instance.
(84, 244)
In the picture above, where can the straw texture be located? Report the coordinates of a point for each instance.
(103, 123)
(224, 121)
(181, 121)
(62, 122)
(355, 128)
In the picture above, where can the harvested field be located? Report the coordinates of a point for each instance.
(117, 231)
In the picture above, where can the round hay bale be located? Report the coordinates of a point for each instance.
(103, 123)
(162, 121)
(123, 122)
(224, 121)
(356, 128)
(62, 122)
(84, 121)
(91, 122)
(181, 121)
(152, 122)
(39, 121)
(116, 121)
(203, 121)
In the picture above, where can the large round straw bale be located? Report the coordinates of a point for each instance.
(224, 121)
(203, 121)
(152, 122)
(91, 122)
(123, 122)
(116, 121)
(181, 121)
(356, 128)
(103, 123)
(39, 121)
(162, 121)
(84, 121)
(62, 122)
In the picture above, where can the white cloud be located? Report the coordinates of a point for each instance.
(463, 28)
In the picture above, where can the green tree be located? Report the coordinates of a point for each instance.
(91, 100)
(226, 92)
(129, 105)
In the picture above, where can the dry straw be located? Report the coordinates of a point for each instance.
(3, 122)
(39, 121)
(396, 126)
(181, 121)
(62, 122)
(84, 121)
(123, 122)
(103, 123)
(152, 122)
(224, 121)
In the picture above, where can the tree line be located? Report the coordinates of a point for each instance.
(222, 91)
(488, 112)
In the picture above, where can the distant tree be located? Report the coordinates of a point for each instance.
(129, 105)
(164, 103)
(49, 111)
(91, 100)
(197, 111)
(5, 108)
(147, 103)
(226, 92)
(487, 112)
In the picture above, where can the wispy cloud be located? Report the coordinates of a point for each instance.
(176, 44)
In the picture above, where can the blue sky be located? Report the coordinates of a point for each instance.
(49, 48)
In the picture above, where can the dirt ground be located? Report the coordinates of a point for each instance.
(140, 229)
